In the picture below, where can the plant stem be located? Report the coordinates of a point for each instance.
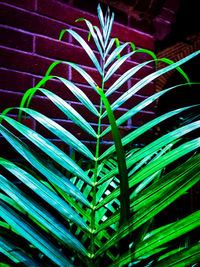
(94, 191)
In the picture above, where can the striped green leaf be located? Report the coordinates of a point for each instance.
(151, 76)
(160, 194)
(44, 167)
(68, 110)
(116, 65)
(86, 47)
(184, 257)
(60, 132)
(139, 131)
(48, 148)
(15, 254)
(153, 167)
(112, 41)
(185, 180)
(75, 90)
(109, 27)
(121, 162)
(140, 106)
(100, 16)
(45, 193)
(114, 54)
(125, 77)
(93, 34)
(30, 234)
(41, 215)
(163, 236)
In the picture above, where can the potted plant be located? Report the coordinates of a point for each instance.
(100, 209)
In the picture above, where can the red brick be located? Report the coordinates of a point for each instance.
(61, 90)
(28, 4)
(57, 88)
(7, 150)
(45, 106)
(127, 34)
(15, 81)
(31, 21)
(39, 103)
(9, 99)
(64, 51)
(69, 14)
(16, 39)
(167, 14)
(141, 57)
(64, 12)
(31, 63)
(172, 5)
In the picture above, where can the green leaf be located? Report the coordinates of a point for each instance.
(109, 27)
(68, 110)
(48, 148)
(30, 234)
(114, 54)
(170, 62)
(93, 34)
(161, 193)
(139, 131)
(15, 254)
(80, 70)
(184, 257)
(41, 215)
(87, 49)
(78, 93)
(151, 76)
(140, 106)
(117, 45)
(162, 237)
(160, 201)
(11, 202)
(116, 65)
(45, 193)
(99, 35)
(123, 175)
(125, 77)
(45, 167)
(100, 16)
(60, 132)
(155, 166)
(109, 47)
(155, 146)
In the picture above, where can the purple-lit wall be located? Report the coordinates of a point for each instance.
(29, 44)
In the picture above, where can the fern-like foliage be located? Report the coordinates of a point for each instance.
(99, 209)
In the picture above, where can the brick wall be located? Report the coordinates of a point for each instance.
(29, 44)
